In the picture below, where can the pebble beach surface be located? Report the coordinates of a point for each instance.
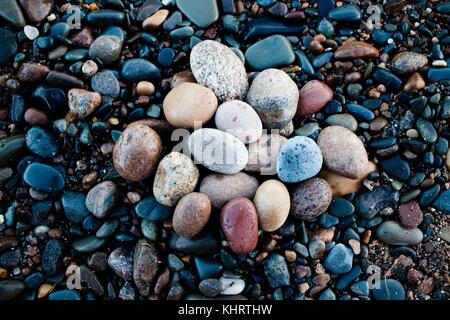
(224, 149)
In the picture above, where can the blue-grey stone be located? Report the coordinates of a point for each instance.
(65, 294)
(388, 289)
(43, 177)
(9, 45)
(370, 203)
(393, 233)
(52, 257)
(442, 202)
(137, 69)
(339, 259)
(360, 288)
(388, 79)
(348, 12)
(88, 244)
(207, 267)
(106, 83)
(11, 12)
(304, 62)
(341, 207)
(42, 143)
(396, 167)
(105, 18)
(326, 28)
(261, 55)
(276, 271)
(426, 130)
(201, 12)
(360, 112)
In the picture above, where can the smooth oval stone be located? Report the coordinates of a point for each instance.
(221, 188)
(9, 289)
(339, 260)
(217, 67)
(207, 267)
(390, 81)
(265, 26)
(310, 199)
(175, 177)
(396, 167)
(137, 152)
(105, 18)
(276, 271)
(442, 203)
(10, 11)
(426, 130)
(88, 244)
(299, 159)
(201, 12)
(388, 289)
(191, 214)
(239, 222)
(274, 96)
(74, 206)
(408, 62)
(218, 151)
(313, 96)
(344, 120)
(347, 12)
(43, 177)
(137, 69)
(239, 119)
(360, 112)
(41, 143)
(102, 198)
(12, 149)
(211, 287)
(189, 105)
(33, 72)
(63, 295)
(343, 152)
(232, 286)
(106, 83)
(341, 207)
(350, 50)
(260, 55)
(438, 74)
(204, 244)
(106, 48)
(149, 208)
(272, 203)
(8, 49)
(393, 233)
(263, 154)
(370, 203)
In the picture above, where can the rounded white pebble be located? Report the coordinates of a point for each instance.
(89, 68)
(232, 286)
(31, 32)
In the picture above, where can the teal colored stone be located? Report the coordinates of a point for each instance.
(360, 288)
(326, 28)
(181, 33)
(107, 229)
(442, 203)
(76, 55)
(427, 130)
(438, 74)
(88, 244)
(443, 7)
(262, 55)
(201, 12)
(388, 289)
(322, 59)
(11, 12)
(348, 12)
(149, 208)
(150, 229)
(207, 267)
(43, 177)
(74, 206)
(341, 207)
(344, 280)
(65, 295)
(9, 45)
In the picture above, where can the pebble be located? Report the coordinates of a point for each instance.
(408, 62)
(34, 173)
(347, 12)
(189, 105)
(263, 154)
(42, 143)
(388, 79)
(310, 199)
(221, 188)
(145, 88)
(175, 177)
(350, 50)
(203, 13)
(274, 96)
(37, 10)
(31, 32)
(217, 67)
(426, 130)
(36, 117)
(339, 260)
(88, 244)
(388, 289)
(344, 120)
(137, 152)
(259, 56)
(102, 198)
(145, 265)
(106, 83)
(9, 45)
(107, 49)
(232, 286)
(211, 287)
(272, 203)
(239, 222)
(276, 271)
(12, 149)
(137, 69)
(396, 167)
(343, 152)
(105, 17)
(191, 214)
(121, 262)
(410, 214)
(153, 22)
(89, 68)
(218, 151)
(313, 96)
(391, 232)
(414, 83)
(239, 119)
(370, 203)
(52, 257)
(316, 249)
(9, 289)
(203, 244)
(442, 202)
(445, 234)
(299, 159)
(33, 72)
(82, 103)
(10, 11)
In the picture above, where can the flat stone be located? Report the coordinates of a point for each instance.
(12, 149)
(339, 260)
(10, 12)
(370, 203)
(52, 257)
(396, 167)
(260, 55)
(63, 79)
(388, 289)
(88, 244)
(390, 81)
(344, 120)
(201, 12)
(137, 69)
(43, 177)
(205, 244)
(33, 72)
(105, 18)
(426, 130)
(37, 10)
(410, 214)
(347, 12)
(393, 233)
(276, 271)
(442, 203)
(121, 262)
(264, 26)
(438, 74)
(8, 49)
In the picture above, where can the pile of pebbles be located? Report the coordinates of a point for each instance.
(224, 149)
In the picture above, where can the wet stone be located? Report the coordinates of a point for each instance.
(52, 257)
(276, 271)
(370, 203)
(52, 181)
(10, 11)
(339, 260)
(9, 45)
(260, 57)
(137, 69)
(348, 12)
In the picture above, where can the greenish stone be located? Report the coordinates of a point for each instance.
(12, 149)
(201, 12)
(344, 120)
(341, 207)
(262, 55)
(150, 229)
(88, 244)
(10, 11)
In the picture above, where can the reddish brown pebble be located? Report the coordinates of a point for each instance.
(239, 223)
(137, 152)
(191, 214)
(414, 276)
(83, 38)
(356, 50)
(36, 117)
(33, 72)
(415, 83)
(410, 214)
(312, 97)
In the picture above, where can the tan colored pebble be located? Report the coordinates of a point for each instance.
(355, 245)
(415, 83)
(191, 214)
(145, 88)
(155, 20)
(44, 290)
